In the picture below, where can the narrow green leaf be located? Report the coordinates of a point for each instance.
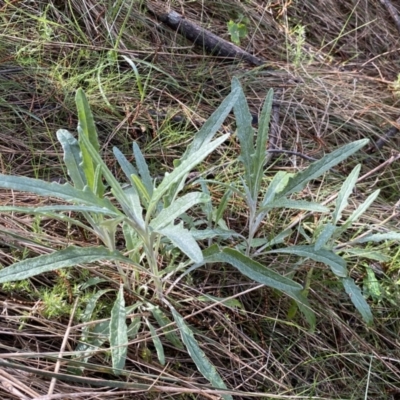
(261, 143)
(377, 237)
(87, 129)
(143, 169)
(177, 208)
(324, 236)
(183, 239)
(211, 126)
(46, 210)
(317, 168)
(51, 189)
(117, 190)
(203, 364)
(328, 257)
(296, 204)
(186, 166)
(344, 194)
(118, 333)
(357, 299)
(165, 325)
(125, 165)
(68, 257)
(204, 234)
(72, 158)
(262, 274)
(157, 343)
(245, 134)
(141, 189)
(277, 184)
(222, 205)
(360, 210)
(86, 120)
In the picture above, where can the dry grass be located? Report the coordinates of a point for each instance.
(334, 85)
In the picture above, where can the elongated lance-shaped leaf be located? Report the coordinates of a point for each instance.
(375, 237)
(60, 259)
(262, 274)
(344, 194)
(177, 208)
(183, 239)
(222, 205)
(357, 299)
(203, 364)
(118, 333)
(261, 144)
(143, 169)
(278, 183)
(336, 263)
(72, 158)
(116, 187)
(245, 135)
(51, 189)
(125, 165)
(324, 236)
(157, 343)
(360, 210)
(317, 168)
(87, 128)
(296, 204)
(47, 210)
(165, 324)
(179, 172)
(211, 126)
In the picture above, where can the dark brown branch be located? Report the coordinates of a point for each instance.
(392, 11)
(212, 43)
(383, 140)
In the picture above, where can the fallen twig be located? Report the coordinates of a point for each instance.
(202, 37)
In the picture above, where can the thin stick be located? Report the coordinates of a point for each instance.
(64, 343)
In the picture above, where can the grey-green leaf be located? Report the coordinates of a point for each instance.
(183, 239)
(296, 204)
(345, 192)
(118, 333)
(328, 257)
(50, 189)
(185, 167)
(317, 168)
(357, 299)
(324, 236)
(143, 169)
(203, 364)
(262, 274)
(60, 259)
(177, 208)
(72, 158)
(157, 343)
(379, 237)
